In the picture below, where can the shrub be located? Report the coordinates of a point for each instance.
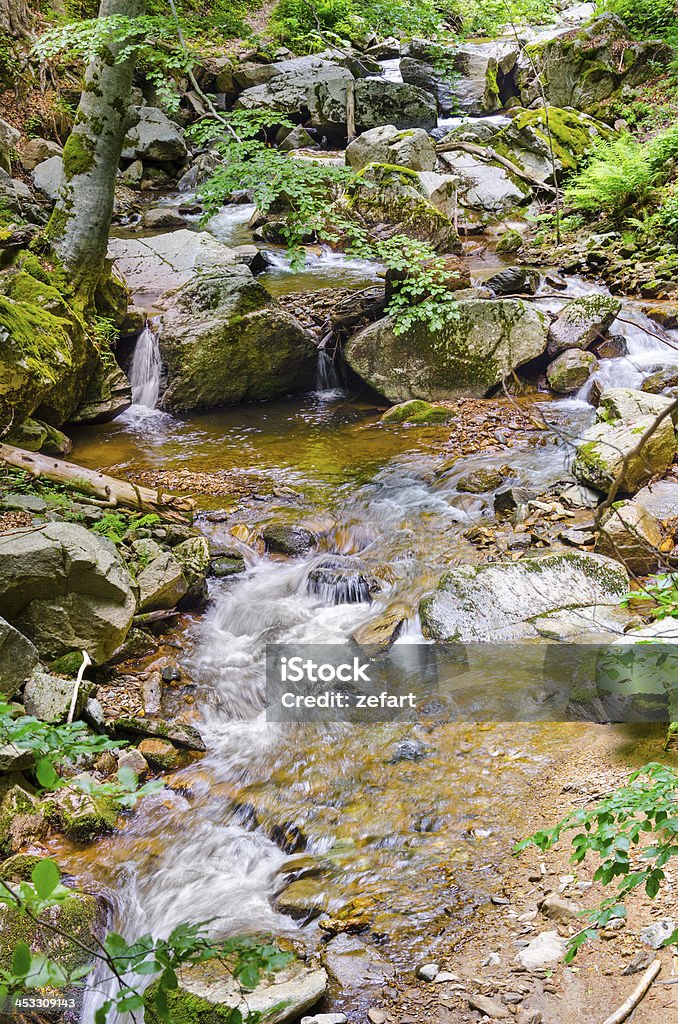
(644, 16)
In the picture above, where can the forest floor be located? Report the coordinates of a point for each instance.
(604, 972)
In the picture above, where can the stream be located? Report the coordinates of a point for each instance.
(419, 844)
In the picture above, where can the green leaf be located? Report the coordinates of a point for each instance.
(248, 976)
(45, 877)
(21, 960)
(46, 775)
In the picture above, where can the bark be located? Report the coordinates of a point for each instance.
(15, 17)
(107, 490)
(79, 225)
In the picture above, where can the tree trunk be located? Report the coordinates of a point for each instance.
(81, 220)
(15, 17)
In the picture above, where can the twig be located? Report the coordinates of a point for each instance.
(629, 1005)
(86, 660)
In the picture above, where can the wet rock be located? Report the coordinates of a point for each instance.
(303, 899)
(546, 948)
(613, 347)
(288, 540)
(490, 1007)
(413, 148)
(379, 635)
(18, 658)
(379, 102)
(224, 340)
(209, 991)
(661, 380)
(22, 820)
(428, 972)
(165, 262)
(570, 370)
(480, 481)
(656, 933)
(132, 758)
(467, 356)
(408, 750)
(161, 584)
(162, 217)
(48, 176)
(66, 589)
(154, 138)
(581, 321)
(633, 536)
(163, 756)
(84, 816)
(178, 733)
(514, 281)
(512, 241)
(107, 394)
(607, 449)
(225, 565)
(520, 600)
(343, 580)
(509, 498)
(442, 191)
(325, 1018)
(49, 697)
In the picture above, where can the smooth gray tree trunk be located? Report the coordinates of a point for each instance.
(79, 226)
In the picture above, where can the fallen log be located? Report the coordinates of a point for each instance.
(629, 1005)
(108, 490)
(489, 154)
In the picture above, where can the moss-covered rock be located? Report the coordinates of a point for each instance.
(581, 322)
(224, 340)
(510, 241)
(419, 412)
(466, 356)
(83, 817)
(570, 370)
(413, 148)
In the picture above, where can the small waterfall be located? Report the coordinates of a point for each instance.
(326, 376)
(144, 375)
(648, 347)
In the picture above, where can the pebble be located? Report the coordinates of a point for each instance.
(376, 1015)
(490, 1007)
(656, 933)
(428, 972)
(446, 976)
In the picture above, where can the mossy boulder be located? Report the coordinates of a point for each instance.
(83, 816)
(570, 370)
(46, 354)
(588, 66)
(224, 340)
(418, 412)
(379, 102)
(386, 144)
(466, 356)
(581, 322)
(571, 594)
(510, 241)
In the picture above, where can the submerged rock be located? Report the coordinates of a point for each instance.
(66, 589)
(224, 340)
(467, 356)
(535, 597)
(343, 579)
(633, 536)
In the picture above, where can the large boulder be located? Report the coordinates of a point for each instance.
(48, 697)
(570, 370)
(66, 589)
(473, 78)
(568, 594)
(587, 66)
(18, 658)
(379, 101)
(48, 176)
(484, 185)
(162, 263)
(413, 148)
(608, 449)
(224, 340)
(154, 138)
(37, 150)
(308, 88)
(581, 322)
(633, 536)
(442, 191)
(210, 992)
(394, 202)
(46, 356)
(467, 356)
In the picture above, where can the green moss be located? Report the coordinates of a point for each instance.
(510, 241)
(186, 1008)
(78, 155)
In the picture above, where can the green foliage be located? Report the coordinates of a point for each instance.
(658, 596)
(305, 25)
(614, 831)
(146, 958)
(617, 177)
(668, 213)
(490, 17)
(646, 17)
(114, 525)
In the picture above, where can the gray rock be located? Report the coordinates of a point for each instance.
(49, 697)
(133, 175)
(310, 86)
(154, 138)
(15, 759)
(342, 579)
(570, 370)
(632, 535)
(25, 502)
(48, 176)
(467, 356)
(408, 750)
(514, 281)
(546, 948)
(386, 144)
(223, 565)
(379, 102)
(288, 540)
(441, 190)
(355, 966)
(67, 589)
(166, 262)
(18, 658)
(485, 187)
(9, 140)
(325, 1018)
(224, 340)
(657, 932)
(505, 601)
(428, 972)
(277, 999)
(581, 321)
(162, 217)
(93, 713)
(161, 584)
(660, 499)
(480, 481)
(559, 909)
(491, 1008)
(36, 151)
(298, 138)
(133, 759)
(108, 393)
(176, 732)
(628, 405)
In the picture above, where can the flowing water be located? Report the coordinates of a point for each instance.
(145, 369)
